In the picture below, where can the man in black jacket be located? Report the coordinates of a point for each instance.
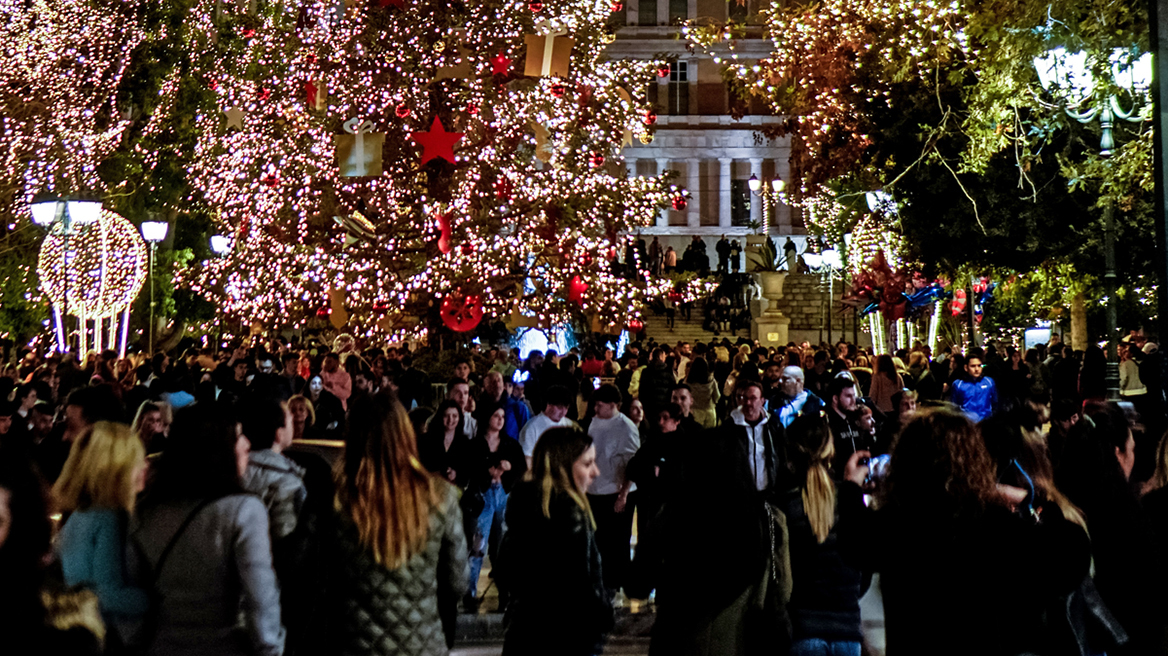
(717, 515)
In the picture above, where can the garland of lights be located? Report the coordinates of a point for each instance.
(302, 88)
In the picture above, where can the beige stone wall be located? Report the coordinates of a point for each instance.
(802, 296)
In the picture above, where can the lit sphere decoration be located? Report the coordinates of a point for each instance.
(103, 272)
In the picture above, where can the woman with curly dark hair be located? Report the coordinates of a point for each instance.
(960, 572)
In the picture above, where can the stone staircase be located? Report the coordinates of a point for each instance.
(657, 327)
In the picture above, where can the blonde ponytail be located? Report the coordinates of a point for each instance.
(819, 500)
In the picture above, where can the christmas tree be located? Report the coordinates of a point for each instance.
(403, 149)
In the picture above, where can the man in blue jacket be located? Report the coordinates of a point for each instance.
(977, 396)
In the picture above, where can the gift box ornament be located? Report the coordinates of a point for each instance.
(359, 151)
(459, 71)
(548, 54)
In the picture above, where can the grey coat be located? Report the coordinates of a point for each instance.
(219, 595)
(380, 611)
(280, 483)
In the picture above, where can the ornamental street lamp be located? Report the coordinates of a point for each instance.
(825, 264)
(60, 216)
(1069, 75)
(769, 194)
(153, 232)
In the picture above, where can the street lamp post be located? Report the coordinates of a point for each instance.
(825, 264)
(59, 214)
(769, 194)
(153, 232)
(1058, 69)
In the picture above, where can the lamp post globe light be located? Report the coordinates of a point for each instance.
(153, 232)
(769, 194)
(1067, 75)
(825, 264)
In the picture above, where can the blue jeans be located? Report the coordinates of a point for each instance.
(817, 647)
(488, 533)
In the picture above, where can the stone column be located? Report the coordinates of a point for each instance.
(725, 192)
(631, 166)
(663, 215)
(691, 8)
(693, 217)
(632, 13)
(662, 12)
(692, 77)
(756, 201)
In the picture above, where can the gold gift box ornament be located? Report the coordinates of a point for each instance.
(548, 54)
(359, 151)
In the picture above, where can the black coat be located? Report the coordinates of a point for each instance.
(479, 459)
(975, 585)
(552, 568)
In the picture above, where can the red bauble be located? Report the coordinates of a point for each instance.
(310, 58)
(576, 290)
(635, 325)
(596, 160)
(503, 189)
(535, 6)
(663, 71)
(650, 117)
(467, 249)
(402, 110)
(472, 109)
(264, 93)
(247, 33)
(272, 181)
(680, 203)
(558, 90)
(617, 6)
(461, 313)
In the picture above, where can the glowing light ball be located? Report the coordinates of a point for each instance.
(100, 266)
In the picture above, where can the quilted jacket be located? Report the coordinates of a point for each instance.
(279, 481)
(381, 611)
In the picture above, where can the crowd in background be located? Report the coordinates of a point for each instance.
(294, 498)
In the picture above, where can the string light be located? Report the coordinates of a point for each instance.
(520, 229)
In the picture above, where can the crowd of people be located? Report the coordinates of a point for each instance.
(298, 499)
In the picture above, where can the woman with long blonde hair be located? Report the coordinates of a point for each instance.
(549, 552)
(825, 598)
(401, 542)
(97, 489)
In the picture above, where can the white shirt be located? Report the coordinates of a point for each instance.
(616, 441)
(529, 434)
(758, 459)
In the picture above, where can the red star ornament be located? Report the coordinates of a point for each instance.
(500, 64)
(437, 142)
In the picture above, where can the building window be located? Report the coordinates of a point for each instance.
(677, 103)
(739, 203)
(678, 11)
(736, 10)
(646, 12)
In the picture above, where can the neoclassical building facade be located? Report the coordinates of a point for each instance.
(697, 133)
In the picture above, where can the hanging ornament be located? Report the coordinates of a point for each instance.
(402, 110)
(439, 46)
(548, 54)
(535, 6)
(315, 94)
(467, 249)
(576, 290)
(271, 181)
(437, 143)
(500, 64)
(558, 90)
(503, 189)
(264, 93)
(445, 228)
(680, 203)
(646, 138)
(617, 6)
(461, 313)
(472, 109)
(650, 117)
(247, 33)
(596, 160)
(359, 151)
(636, 325)
(608, 36)
(663, 70)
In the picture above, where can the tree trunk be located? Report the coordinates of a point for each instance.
(1079, 322)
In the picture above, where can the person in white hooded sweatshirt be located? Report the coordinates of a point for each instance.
(612, 495)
